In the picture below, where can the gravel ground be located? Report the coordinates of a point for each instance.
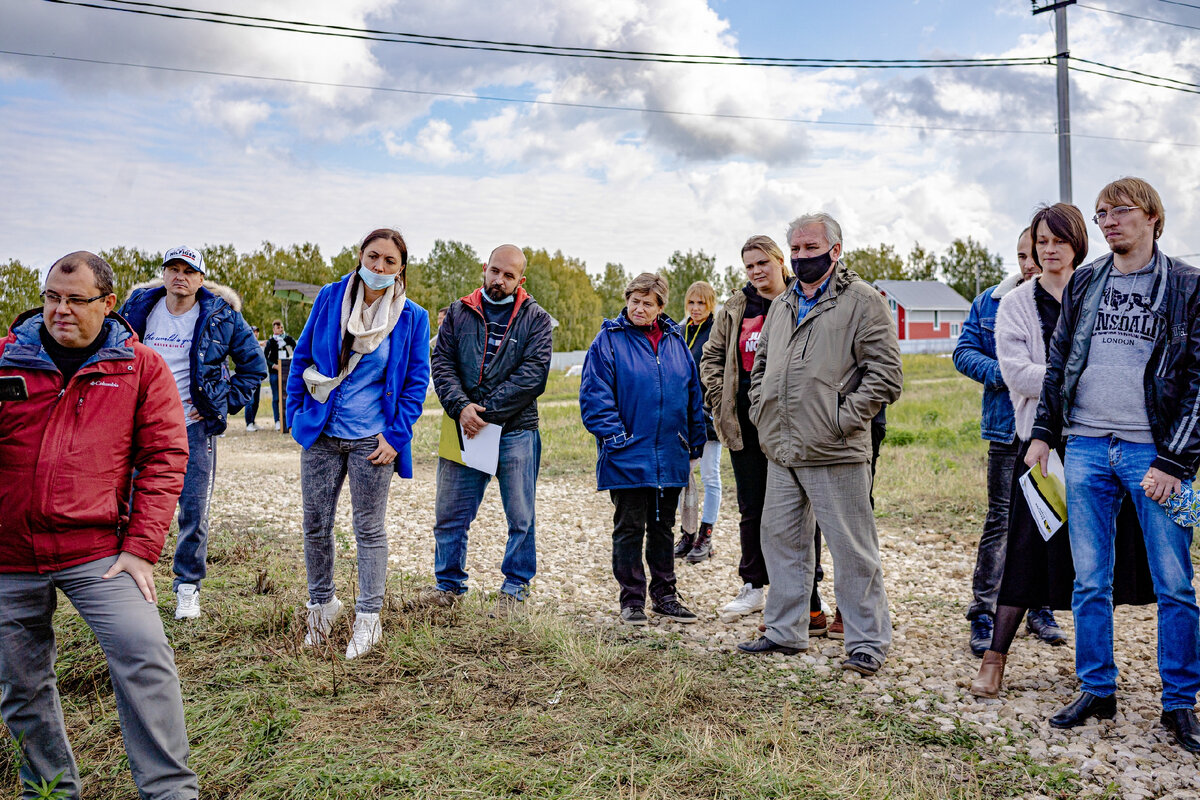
(927, 575)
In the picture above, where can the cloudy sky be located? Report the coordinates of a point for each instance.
(95, 155)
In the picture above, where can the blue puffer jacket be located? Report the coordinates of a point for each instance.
(975, 357)
(407, 379)
(644, 409)
(221, 333)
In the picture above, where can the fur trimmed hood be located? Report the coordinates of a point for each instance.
(219, 289)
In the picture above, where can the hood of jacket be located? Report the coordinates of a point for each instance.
(1007, 285)
(219, 290)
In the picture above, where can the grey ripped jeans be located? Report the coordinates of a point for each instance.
(323, 470)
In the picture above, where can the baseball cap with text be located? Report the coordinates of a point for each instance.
(190, 256)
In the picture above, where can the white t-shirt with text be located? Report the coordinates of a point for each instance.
(171, 337)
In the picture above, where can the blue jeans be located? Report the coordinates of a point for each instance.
(323, 470)
(252, 406)
(460, 491)
(710, 477)
(1099, 471)
(191, 548)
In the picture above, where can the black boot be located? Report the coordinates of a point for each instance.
(702, 547)
(684, 545)
(1084, 706)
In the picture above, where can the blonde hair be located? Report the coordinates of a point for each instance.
(652, 284)
(704, 291)
(760, 241)
(1139, 193)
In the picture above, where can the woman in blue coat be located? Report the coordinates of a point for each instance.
(640, 397)
(359, 375)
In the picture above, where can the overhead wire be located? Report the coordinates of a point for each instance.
(582, 106)
(145, 8)
(1138, 16)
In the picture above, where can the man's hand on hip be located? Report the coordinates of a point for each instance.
(1039, 454)
(470, 420)
(1159, 485)
(141, 570)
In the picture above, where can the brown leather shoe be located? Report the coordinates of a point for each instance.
(836, 629)
(817, 623)
(991, 675)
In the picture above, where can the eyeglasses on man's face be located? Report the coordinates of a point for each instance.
(55, 299)
(1116, 212)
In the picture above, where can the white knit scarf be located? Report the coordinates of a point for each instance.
(368, 324)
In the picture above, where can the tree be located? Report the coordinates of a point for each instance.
(876, 263)
(922, 265)
(731, 281)
(561, 286)
(681, 272)
(968, 265)
(452, 270)
(20, 290)
(131, 266)
(610, 288)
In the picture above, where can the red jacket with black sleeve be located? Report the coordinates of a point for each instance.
(68, 453)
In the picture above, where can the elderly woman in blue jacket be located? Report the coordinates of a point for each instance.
(640, 397)
(359, 375)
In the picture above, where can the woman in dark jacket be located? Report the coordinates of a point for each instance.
(695, 538)
(640, 397)
(1039, 573)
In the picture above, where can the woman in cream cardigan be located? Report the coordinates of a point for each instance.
(1040, 573)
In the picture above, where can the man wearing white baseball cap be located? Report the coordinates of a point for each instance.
(196, 327)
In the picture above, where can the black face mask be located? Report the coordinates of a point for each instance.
(810, 270)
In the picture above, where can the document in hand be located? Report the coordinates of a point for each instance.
(1046, 496)
(482, 452)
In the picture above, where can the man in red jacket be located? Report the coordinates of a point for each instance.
(100, 406)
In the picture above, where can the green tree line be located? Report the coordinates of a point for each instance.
(561, 283)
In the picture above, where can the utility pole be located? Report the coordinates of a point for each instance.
(1064, 101)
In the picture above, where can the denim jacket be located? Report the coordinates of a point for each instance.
(975, 357)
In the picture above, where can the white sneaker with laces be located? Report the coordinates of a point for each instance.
(276, 426)
(251, 428)
(748, 601)
(367, 633)
(320, 620)
(187, 601)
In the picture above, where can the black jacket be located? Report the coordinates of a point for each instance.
(509, 386)
(695, 340)
(271, 349)
(1171, 381)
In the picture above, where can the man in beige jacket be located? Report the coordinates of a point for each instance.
(827, 359)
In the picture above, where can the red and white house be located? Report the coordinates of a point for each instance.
(925, 310)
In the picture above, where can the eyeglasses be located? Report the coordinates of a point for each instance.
(1117, 212)
(53, 299)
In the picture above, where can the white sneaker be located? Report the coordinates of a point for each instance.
(320, 621)
(367, 632)
(251, 428)
(187, 601)
(748, 601)
(276, 426)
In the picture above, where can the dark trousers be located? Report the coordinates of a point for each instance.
(649, 514)
(989, 559)
(878, 432)
(750, 475)
(252, 406)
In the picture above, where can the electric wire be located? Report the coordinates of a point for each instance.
(1130, 80)
(143, 8)
(1138, 16)
(1178, 3)
(583, 106)
(1135, 72)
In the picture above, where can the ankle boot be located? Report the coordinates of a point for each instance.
(991, 675)
(702, 546)
(684, 545)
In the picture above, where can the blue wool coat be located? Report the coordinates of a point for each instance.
(643, 408)
(405, 385)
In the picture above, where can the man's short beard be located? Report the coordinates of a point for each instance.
(497, 293)
(1121, 248)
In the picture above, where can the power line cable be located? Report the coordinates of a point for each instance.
(1135, 72)
(1130, 80)
(1178, 3)
(400, 37)
(1138, 16)
(583, 106)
